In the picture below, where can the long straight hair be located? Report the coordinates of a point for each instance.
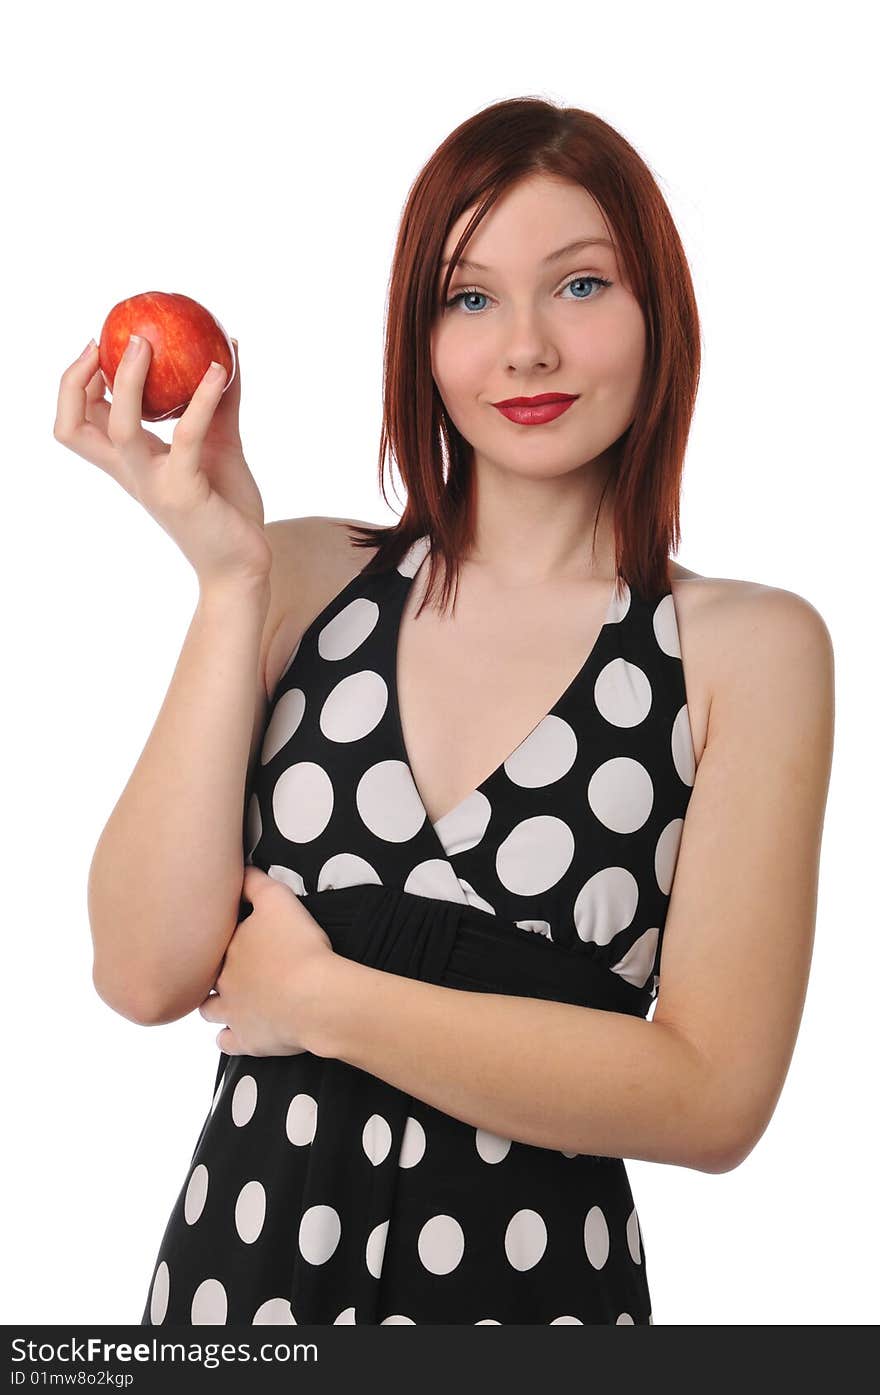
(477, 163)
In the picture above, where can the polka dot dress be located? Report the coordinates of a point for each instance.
(317, 1193)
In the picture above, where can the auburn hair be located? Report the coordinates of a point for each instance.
(475, 165)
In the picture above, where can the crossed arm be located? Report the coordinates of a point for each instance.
(697, 1084)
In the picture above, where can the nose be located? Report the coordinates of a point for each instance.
(528, 345)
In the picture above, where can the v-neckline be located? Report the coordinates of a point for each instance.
(610, 614)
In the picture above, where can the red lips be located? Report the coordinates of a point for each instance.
(536, 401)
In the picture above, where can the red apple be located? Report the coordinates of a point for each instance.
(184, 338)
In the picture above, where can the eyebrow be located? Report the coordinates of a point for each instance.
(553, 256)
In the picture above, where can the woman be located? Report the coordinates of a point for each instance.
(436, 1048)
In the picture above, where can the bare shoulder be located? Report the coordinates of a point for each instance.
(736, 634)
(313, 558)
(316, 553)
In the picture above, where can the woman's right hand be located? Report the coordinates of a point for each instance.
(199, 489)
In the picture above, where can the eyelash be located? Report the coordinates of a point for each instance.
(472, 290)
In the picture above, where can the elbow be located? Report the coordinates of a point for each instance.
(138, 1005)
(723, 1127)
(124, 1002)
(725, 1148)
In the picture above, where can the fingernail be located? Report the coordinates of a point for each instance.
(88, 348)
(132, 347)
(216, 370)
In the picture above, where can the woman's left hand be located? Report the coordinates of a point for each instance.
(269, 988)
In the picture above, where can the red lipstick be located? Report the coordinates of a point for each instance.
(533, 411)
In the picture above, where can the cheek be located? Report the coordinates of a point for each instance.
(459, 367)
(625, 346)
(612, 355)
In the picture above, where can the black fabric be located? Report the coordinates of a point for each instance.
(318, 1193)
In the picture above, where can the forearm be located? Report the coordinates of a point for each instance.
(552, 1074)
(165, 879)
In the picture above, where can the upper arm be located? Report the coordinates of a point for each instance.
(738, 937)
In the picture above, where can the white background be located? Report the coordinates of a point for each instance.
(257, 158)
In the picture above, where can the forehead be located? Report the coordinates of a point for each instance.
(539, 218)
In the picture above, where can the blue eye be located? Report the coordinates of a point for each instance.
(471, 290)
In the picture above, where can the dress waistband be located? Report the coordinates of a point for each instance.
(435, 940)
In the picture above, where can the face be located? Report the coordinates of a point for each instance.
(528, 324)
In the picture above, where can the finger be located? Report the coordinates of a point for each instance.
(124, 423)
(255, 880)
(96, 388)
(230, 401)
(72, 426)
(190, 431)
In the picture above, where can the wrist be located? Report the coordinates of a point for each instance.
(249, 591)
(329, 987)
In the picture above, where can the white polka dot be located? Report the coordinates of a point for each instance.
(346, 1318)
(632, 1236)
(354, 707)
(343, 634)
(397, 1320)
(376, 1139)
(159, 1294)
(274, 1311)
(244, 1100)
(683, 755)
(666, 627)
(534, 855)
(525, 1239)
(621, 794)
(414, 556)
(637, 964)
(606, 904)
(196, 1194)
(302, 801)
(375, 1252)
(441, 1244)
(566, 1321)
(464, 826)
(545, 755)
(250, 1211)
(435, 878)
(346, 869)
(209, 1303)
(302, 1119)
(622, 693)
(412, 1148)
(487, 1322)
(596, 1238)
(319, 1232)
(625, 1321)
(473, 899)
(254, 827)
(290, 879)
(490, 1146)
(537, 927)
(388, 801)
(286, 717)
(666, 854)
